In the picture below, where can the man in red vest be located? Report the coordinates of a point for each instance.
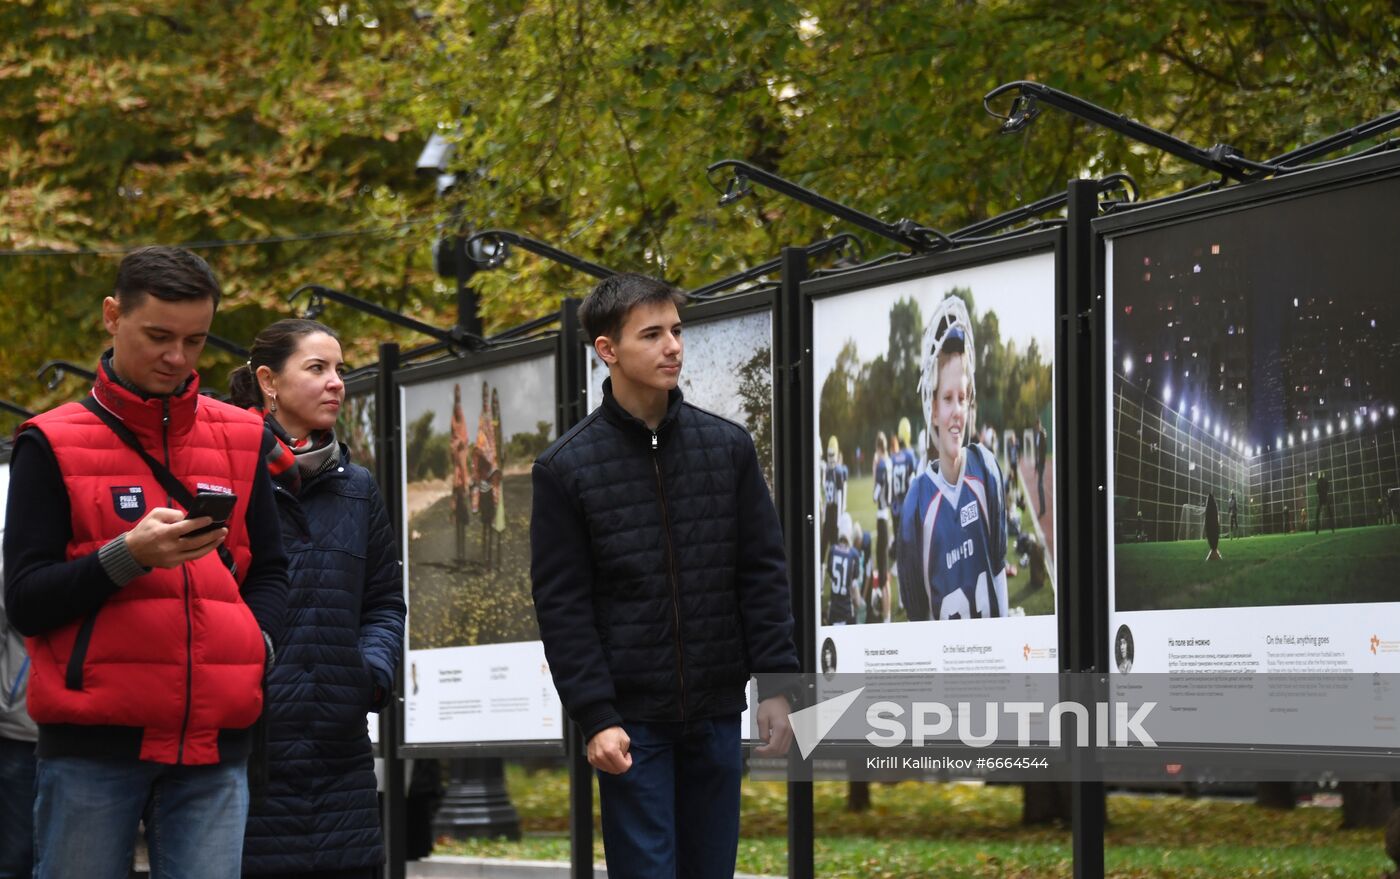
(147, 641)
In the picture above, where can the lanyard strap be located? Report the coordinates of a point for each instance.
(173, 487)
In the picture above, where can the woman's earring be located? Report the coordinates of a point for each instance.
(272, 407)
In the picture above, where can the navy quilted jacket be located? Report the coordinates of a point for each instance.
(660, 580)
(335, 663)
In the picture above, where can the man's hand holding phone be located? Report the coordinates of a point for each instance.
(167, 538)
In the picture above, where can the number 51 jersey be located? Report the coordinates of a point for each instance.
(952, 542)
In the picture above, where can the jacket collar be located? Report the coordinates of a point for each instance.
(149, 416)
(621, 417)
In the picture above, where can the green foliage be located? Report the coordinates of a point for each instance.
(857, 399)
(524, 447)
(429, 453)
(756, 398)
(589, 125)
(127, 124)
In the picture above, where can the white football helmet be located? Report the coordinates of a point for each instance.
(949, 328)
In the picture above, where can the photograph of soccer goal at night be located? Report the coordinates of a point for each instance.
(1255, 377)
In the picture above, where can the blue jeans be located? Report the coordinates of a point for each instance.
(87, 811)
(675, 812)
(16, 809)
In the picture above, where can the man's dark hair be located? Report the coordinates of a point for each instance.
(172, 274)
(605, 309)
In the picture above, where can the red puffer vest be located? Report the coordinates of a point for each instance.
(176, 652)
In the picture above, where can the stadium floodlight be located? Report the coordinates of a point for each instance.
(1167, 395)
(1329, 428)
(1375, 417)
(1314, 432)
(1390, 411)
(1290, 440)
(1127, 366)
(1195, 413)
(1358, 420)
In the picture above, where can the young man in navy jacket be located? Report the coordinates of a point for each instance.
(660, 583)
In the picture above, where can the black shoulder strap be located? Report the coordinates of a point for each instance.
(173, 486)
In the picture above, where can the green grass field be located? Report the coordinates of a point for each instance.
(860, 503)
(1353, 565)
(961, 831)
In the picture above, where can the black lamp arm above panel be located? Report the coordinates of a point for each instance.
(815, 249)
(913, 235)
(1025, 107)
(1340, 140)
(15, 409)
(228, 345)
(1106, 185)
(53, 371)
(317, 295)
(510, 335)
(488, 250)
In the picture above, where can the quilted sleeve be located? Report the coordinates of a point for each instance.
(561, 575)
(382, 607)
(761, 574)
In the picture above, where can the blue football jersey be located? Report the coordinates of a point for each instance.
(843, 566)
(952, 542)
(883, 491)
(903, 465)
(834, 486)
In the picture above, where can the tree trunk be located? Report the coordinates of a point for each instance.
(857, 796)
(1365, 803)
(1045, 802)
(1274, 795)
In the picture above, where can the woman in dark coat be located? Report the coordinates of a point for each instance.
(345, 619)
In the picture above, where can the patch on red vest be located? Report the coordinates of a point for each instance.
(129, 501)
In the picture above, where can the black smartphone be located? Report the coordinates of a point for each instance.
(217, 505)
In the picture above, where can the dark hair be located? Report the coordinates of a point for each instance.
(605, 309)
(271, 348)
(172, 274)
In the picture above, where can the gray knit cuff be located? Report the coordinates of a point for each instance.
(118, 562)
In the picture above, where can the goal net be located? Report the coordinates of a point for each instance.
(1191, 522)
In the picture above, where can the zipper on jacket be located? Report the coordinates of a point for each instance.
(185, 578)
(189, 666)
(671, 563)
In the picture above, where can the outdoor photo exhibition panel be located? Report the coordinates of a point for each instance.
(728, 366)
(919, 369)
(727, 370)
(355, 428)
(1253, 357)
(475, 670)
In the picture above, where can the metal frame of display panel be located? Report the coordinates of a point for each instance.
(1190, 759)
(442, 368)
